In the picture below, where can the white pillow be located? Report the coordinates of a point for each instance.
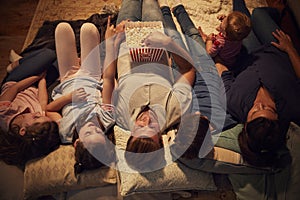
(55, 174)
(173, 177)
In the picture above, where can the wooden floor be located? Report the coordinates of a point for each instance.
(15, 20)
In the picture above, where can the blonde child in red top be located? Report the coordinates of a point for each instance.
(226, 45)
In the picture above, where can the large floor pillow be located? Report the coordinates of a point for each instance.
(283, 185)
(173, 177)
(224, 157)
(54, 174)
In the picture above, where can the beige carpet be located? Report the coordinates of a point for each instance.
(67, 10)
(203, 13)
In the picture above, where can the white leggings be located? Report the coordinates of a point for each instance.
(68, 62)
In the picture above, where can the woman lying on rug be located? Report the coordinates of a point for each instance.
(208, 107)
(147, 100)
(84, 95)
(265, 95)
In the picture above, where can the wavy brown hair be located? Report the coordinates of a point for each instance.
(238, 26)
(39, 140)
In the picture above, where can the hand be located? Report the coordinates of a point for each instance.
(120, 31)
(284, 41)
(221, 17)
(79, 95)
(121, 26)
(211, 36)
(157, 39)
(110, 29)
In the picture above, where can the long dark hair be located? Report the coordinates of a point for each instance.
(190, 136)
(259, 141)
(84, 160)
(39, 140)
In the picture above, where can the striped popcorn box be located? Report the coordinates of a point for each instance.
(135, 33)
(146, 54)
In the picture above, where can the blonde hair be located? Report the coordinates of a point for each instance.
(238, 26)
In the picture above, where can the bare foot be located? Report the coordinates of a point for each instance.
(13, 56)
(12, 66)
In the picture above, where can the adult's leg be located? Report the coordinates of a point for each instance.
(90, 51)
(170, 27)
(208, 85)
(251, 42)
(130, 10)
(65, 49)
(32, 64)
(151, 11)
(186, 24)
(264, 23)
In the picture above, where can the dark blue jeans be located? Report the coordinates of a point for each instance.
(208, 98)
(33, 64)
(264, 22)
(139, 10)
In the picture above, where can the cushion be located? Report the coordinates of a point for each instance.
(225, 158)
(281, 185)
(55, 174)
(175, 176)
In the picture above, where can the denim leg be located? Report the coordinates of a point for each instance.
(207, 87)
(264, 23)
(186, 24)
(130, 9)
(251, 42)
(240, 5)
(33, 64)
(151, 11)
(170, 27)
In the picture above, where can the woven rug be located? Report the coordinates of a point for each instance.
(203, 13)
(67, 10)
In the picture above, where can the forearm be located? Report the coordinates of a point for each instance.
(295, 60)
(10, 94)
(184, 61)
(59, 103)
(109, 72)
(43, 94)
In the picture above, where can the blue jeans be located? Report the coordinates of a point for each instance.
(263, 24)
(265, 21)
(33, 64)
(139, 10)
(207, 87)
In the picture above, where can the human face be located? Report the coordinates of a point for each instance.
(91, 134)
(222, 27)
(28, 119)
(146, 125)
(263, 106)
(261, 109)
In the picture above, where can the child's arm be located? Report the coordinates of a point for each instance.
(209, 45)
(11, 93)
(77, 95)
(43, 94)
(181, 57)
(109, 71)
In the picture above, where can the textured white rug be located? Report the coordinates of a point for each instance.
(203, 12)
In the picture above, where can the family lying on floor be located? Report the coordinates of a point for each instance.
(246, 73)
